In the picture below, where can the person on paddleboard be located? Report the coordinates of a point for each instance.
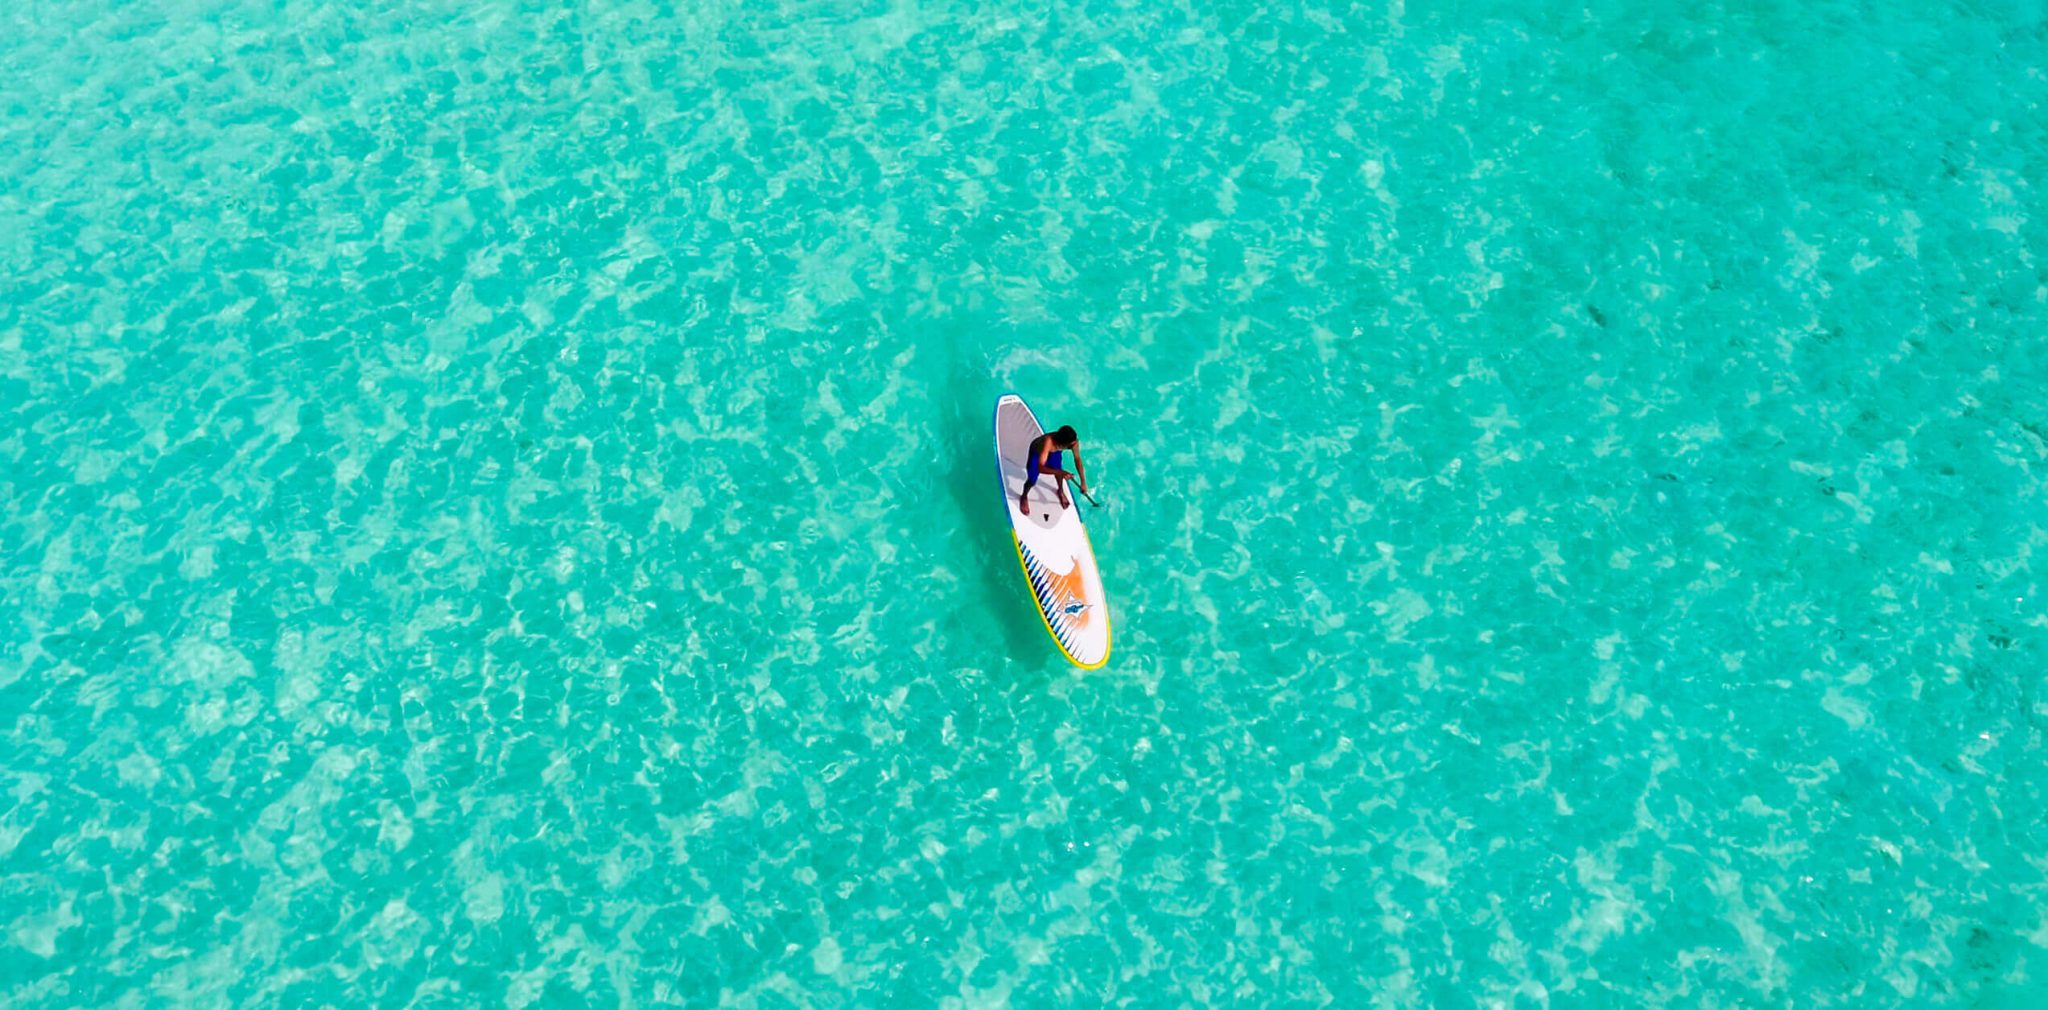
(1045, 457)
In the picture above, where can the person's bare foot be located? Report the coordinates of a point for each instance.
(1024, 503)
(1064, 503)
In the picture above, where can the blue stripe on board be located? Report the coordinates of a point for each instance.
(1056, 618)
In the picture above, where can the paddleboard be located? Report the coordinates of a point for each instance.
(1052, 544)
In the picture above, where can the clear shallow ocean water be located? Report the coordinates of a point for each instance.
(496, 505)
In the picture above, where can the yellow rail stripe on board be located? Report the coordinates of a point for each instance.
(1046, 623)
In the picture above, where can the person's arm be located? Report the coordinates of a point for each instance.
(1080, 472)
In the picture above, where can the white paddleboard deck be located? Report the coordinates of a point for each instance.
(1052, 544)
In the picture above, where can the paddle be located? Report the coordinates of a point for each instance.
(1090, 497)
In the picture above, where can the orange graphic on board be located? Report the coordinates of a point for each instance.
(1066, 591)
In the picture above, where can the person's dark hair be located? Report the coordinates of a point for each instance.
(1065, 436)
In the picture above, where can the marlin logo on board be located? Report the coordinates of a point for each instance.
(1066, 594)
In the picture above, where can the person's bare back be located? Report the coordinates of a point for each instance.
(1046, 457)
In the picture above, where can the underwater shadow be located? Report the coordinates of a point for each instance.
(970, 477)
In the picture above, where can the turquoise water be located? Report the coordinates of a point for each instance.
(496, 505)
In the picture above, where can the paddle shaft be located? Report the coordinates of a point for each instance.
(1075, 481)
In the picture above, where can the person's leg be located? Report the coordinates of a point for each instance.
(1030, 478)
(1060, 484)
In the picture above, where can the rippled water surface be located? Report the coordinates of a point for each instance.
(496, 504)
